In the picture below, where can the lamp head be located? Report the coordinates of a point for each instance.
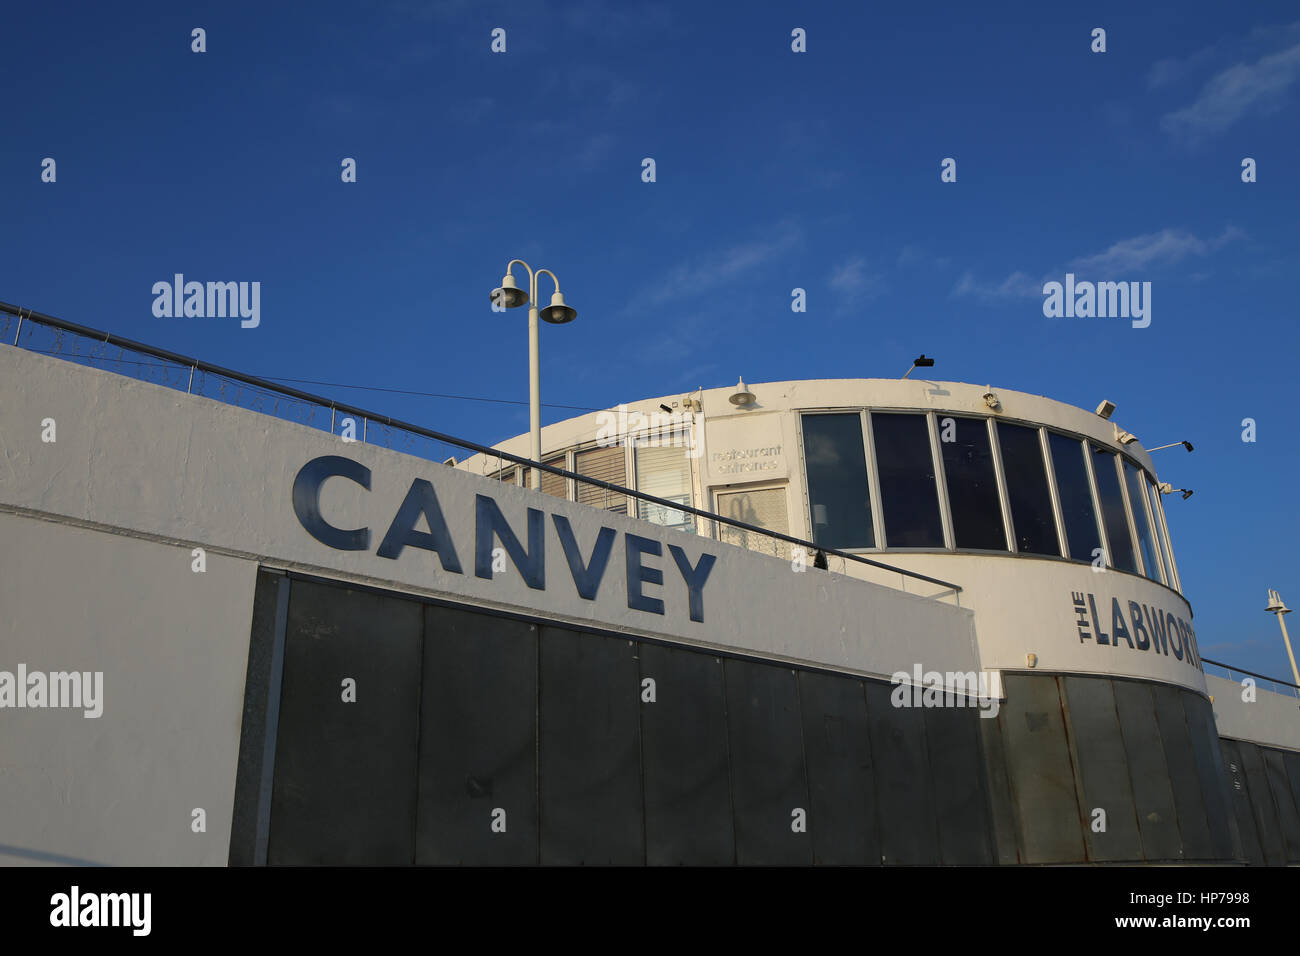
(508, 295)
(557, 313)
(742, 396)
(1275, 604)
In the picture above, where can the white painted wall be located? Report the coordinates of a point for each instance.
(1023, 604)
(1271, 719)
(95, 537)
(172, 645)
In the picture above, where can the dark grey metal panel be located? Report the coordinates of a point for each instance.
(684, 759)
(904, 803)
(1038, 763)
(1103, 770)
(1007, 837)
(1239, 788)
(1287, 817)
(478, 740)
(345, 773)
(767, 766)
(1220, 815)
(1261, 802)
(960, 794)
(1153, 794)
(590, 751)
(1189, 802)
(838, 750)
(252, 731)
(1291, 761)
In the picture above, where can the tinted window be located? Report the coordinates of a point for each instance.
(1163, 534)
(1031, 498)
(1146, 540)
(1077, 508)
(837, 481)
(1121, 554)
(972, 484)
(907, 490)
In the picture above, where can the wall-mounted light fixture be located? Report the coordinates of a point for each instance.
(919, 362)
(742, 396)
(1105, 409)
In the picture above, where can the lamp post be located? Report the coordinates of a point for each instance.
(509, 296)
(1275, 606)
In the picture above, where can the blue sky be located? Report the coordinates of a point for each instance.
(775, 170)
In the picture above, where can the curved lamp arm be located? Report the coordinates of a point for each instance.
(532, 278)
(553, 279)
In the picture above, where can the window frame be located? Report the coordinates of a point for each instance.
(635, 503)
(1143, 480)
(883, 536)
(873, 488)
(1087, 444)
(740, 487)
(999, 481)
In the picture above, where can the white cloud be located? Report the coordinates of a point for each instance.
(724, 267)
(1232, 93)
(852, 278)
(1126, 256)
(1018, 285)
(851, 283)
(1156, 248)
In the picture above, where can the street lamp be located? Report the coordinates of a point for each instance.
(1275, 606)
(919, 362)
(508, 295)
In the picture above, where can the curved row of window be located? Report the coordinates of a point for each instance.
(937, 481)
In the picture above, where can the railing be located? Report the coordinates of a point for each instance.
(37, 332)
(1292, 690)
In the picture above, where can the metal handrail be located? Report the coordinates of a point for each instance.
(336, 406)
(1237, 670)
